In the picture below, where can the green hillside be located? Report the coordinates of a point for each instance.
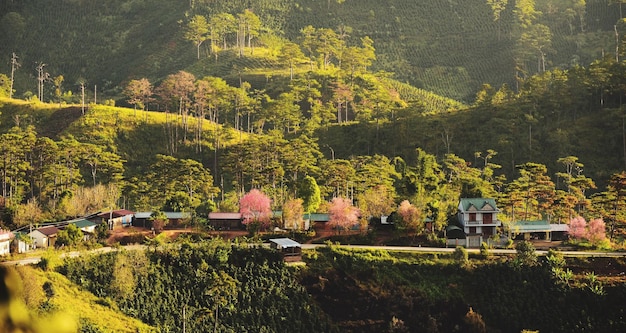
(268, 94)
(208, 284)
(46, 301)
(448, 47)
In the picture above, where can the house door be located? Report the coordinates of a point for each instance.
(487, 218)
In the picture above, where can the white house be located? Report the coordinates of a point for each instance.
(44, 237)
(22, 243)
(5, 242)
(479, 219)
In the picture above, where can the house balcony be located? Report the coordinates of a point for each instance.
(483, 223)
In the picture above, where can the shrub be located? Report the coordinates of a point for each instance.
(460, 255)
(474, 322)
(49, 261)
(526, 254)
(484, 250)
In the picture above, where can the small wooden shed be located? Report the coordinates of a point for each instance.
(289, 248)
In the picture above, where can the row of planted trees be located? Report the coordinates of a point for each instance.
(207, 286)
(304, 104)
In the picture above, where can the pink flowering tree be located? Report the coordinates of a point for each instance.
(596, 231)
(410, 215)
(342, 215)
(577, 227)
(255, 209)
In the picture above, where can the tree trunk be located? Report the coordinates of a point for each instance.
(217, 309)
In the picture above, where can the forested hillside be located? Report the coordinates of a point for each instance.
(358, 108)
(442, 293)
(448, 47)
(225, 97)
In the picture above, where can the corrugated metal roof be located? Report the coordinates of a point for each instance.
(529, 226)
(48, 231)
(559, 227)
(479, 203)
(142, 215)
(116, 213)
(317, 217)
(83, 223)
(224, 216)
(177, 215)
(536, 226)
(285, 242)
(170, 215)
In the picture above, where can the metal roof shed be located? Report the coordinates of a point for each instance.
(287, 247)
(284, 243)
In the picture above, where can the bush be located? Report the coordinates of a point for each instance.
(484, 250)
(526, 254)
(49, 261)
(460, 255)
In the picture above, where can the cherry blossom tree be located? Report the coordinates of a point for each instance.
(596, 231)
(342, 215)
(577, 227)
(255, 209)
(411, 220)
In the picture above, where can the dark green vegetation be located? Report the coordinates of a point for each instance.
(379, 291)
(266, 104)
(425, 101)
(449, 47)
(212, 285)
(205, 287)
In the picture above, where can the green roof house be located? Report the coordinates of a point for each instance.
(479, 219)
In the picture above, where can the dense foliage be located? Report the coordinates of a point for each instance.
(203, 286)
(450, 48)
(306, 105)
(419, 293)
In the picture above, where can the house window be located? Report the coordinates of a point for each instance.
(487, 218)
(472, 217)
(472, 230)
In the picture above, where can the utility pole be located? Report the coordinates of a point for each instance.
(14, 65)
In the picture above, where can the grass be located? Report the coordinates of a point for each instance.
(71, 307)
(136, 135)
